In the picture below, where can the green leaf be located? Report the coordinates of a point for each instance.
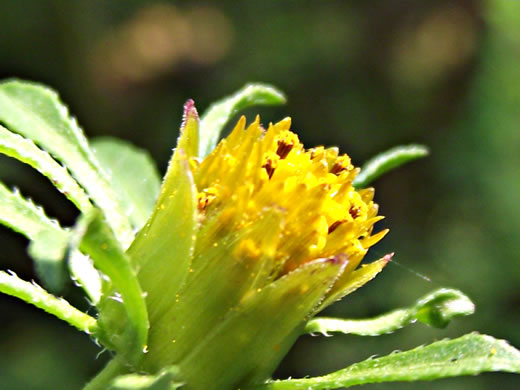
(436, 309)
(83, 273)
(471, 354)
(24, 150)
(48, 252)
(133, 175)
(165, 380)
(48, 238)
(247, 346)
(23, 216)
(219, 113)
(386, 161)
(163, 249)
(35, 295)
(95, 238)
(36, 113)
(203, 301)
(163, 261)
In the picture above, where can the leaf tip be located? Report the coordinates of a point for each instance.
(269, 93)
(190, 112)
(387, 258)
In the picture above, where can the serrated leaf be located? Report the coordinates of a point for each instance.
(219, 113)
(248, 345)
(133, 175)
(83, 273)
(436, 309)
(47, 250)
(37, 113)
(167, 379)
(386, 161)
(23, 216)
(471, 354)
(48, 237)
(24, 150)
(31, 293)
(95, 238)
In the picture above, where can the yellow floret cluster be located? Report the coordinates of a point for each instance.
(282, 202)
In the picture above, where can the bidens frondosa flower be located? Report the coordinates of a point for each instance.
(277, 235)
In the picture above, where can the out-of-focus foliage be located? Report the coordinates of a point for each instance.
(361, 75)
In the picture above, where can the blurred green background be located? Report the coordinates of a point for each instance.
(361, 75)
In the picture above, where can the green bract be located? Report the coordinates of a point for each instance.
(172, 301)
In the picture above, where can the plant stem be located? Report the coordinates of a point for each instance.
(103, 379)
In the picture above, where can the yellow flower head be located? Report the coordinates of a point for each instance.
(285, 204)
(275, 234)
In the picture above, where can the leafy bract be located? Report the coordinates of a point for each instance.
(132, 174)
(436, 309)
(188, 140)
(84, 274)
(217, 282)
(471, 354)
(93, 237)
(386, 161)
(248, 345)
(163, 249)
(350, 282)
(36, 113)
(24, 150)
(217, 115)
(31, 293)
(48, 238)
